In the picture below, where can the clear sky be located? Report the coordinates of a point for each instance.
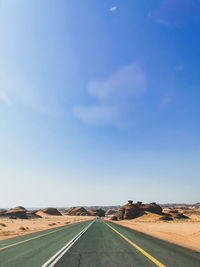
(99, 102)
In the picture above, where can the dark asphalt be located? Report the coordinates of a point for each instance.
(99, 246)
(102, 247)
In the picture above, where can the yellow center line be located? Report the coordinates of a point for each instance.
(138, 248)
(24, 241)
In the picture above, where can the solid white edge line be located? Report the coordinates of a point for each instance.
(55, 258)
(65, 251)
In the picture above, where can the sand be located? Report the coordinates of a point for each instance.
(11, 228)
(182, 232)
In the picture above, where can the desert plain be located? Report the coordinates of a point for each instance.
(184, 231)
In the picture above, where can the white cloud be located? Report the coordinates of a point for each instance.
(114, 8)
(114, 97)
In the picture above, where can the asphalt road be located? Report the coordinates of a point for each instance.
(93, 244)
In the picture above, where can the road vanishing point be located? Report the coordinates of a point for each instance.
(94, 243)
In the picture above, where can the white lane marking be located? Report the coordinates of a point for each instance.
(54, 259)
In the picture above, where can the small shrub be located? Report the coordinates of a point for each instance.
(22, 228)
(52, 224)
(3, 224)
(66, 222)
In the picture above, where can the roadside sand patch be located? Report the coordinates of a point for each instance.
(16, 227)
(182, 232)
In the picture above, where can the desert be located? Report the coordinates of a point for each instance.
(19, 221)
(179, 224)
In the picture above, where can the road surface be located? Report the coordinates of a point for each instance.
(94, 243)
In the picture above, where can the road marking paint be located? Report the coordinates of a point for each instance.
(54, 259)
(32, 238)
(138, 248)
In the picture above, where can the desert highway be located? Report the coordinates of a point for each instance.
(94, 243)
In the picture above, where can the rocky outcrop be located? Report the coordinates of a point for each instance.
(77, 211)
(133, 210)
(2, 211)
(52, 211)
(19, 213)
(166, 217)
(97, 212)
(114, 218)
(16, 213)
(110, 212)
(181, 216)
(128, 211)
(152, 207)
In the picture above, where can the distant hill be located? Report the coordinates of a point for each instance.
(179, 205)
(103, 207)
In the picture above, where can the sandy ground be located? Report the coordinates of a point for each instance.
(182, 232)
(11, 228)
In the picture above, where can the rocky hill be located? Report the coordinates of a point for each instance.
(77, 211)
(133, 210)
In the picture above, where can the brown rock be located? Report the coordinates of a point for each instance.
(181, 216)
(166, 218)
(128, 211)
(133, 210)
(114, 218)
(97, 212)
(77, 211)
(152, 207)
(110, 212)
(52, 211)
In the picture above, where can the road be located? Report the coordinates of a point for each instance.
(94, 243)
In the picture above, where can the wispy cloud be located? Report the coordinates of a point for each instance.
(4, 97)
(114, 8)
(114, 98)
(15, 89)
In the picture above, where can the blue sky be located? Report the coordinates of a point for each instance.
(99, 102)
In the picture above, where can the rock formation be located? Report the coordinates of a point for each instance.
(97, 212)
(77, 211)
(52, 211)
(132, 210)
(110, 212)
